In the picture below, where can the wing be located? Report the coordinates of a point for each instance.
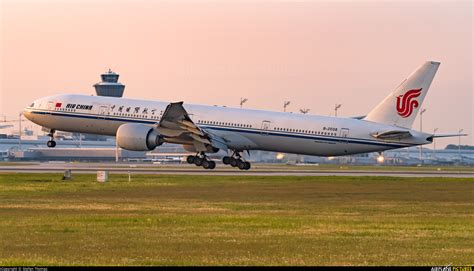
(176, 123)
(176, 118)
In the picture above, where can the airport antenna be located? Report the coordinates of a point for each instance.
(336, 107)
(242, 101)
(285, 104)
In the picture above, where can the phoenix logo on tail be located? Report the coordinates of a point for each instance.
(407, 101)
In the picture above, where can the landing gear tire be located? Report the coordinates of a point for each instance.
(51, 144)
(241, 164)
(201, 160)
(233, 162)
(226, 160)
(236, 161)
(206, 164)
(198, 161)
(190, 159)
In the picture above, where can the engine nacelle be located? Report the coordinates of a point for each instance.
(138, 137)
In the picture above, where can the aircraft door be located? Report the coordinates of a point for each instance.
(103, 111)
(50, 107)
(344, 133)
(265, 127)
(103, 126)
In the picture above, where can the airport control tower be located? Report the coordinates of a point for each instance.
(109, 85)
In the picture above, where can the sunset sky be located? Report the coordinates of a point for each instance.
(312, 53)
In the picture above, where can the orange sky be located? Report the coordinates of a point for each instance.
(313, 53)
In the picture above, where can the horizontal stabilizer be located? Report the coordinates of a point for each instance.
(359, 117)
(394, 134)
(448, 135)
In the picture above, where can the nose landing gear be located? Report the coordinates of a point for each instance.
(51, 143)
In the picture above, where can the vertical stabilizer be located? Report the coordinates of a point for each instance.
(401, 106)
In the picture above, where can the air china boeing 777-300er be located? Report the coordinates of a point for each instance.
(143, 125)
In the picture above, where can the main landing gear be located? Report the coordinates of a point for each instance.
(236, 161)
(201, 160)
(51, 143)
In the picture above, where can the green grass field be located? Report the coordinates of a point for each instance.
(230, 220)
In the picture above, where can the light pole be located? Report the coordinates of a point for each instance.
(304, 110)
(336, 107)
(285, 104)
(459, 144)
(434, 143)
(116, 152)
(242, 101)
(421, 130)
(19, 130)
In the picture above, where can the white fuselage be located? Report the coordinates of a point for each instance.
(243, 129)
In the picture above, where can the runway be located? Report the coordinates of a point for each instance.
(222, 170)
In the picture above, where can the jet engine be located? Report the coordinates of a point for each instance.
(138, 137)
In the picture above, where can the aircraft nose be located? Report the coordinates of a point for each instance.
(27, 114)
